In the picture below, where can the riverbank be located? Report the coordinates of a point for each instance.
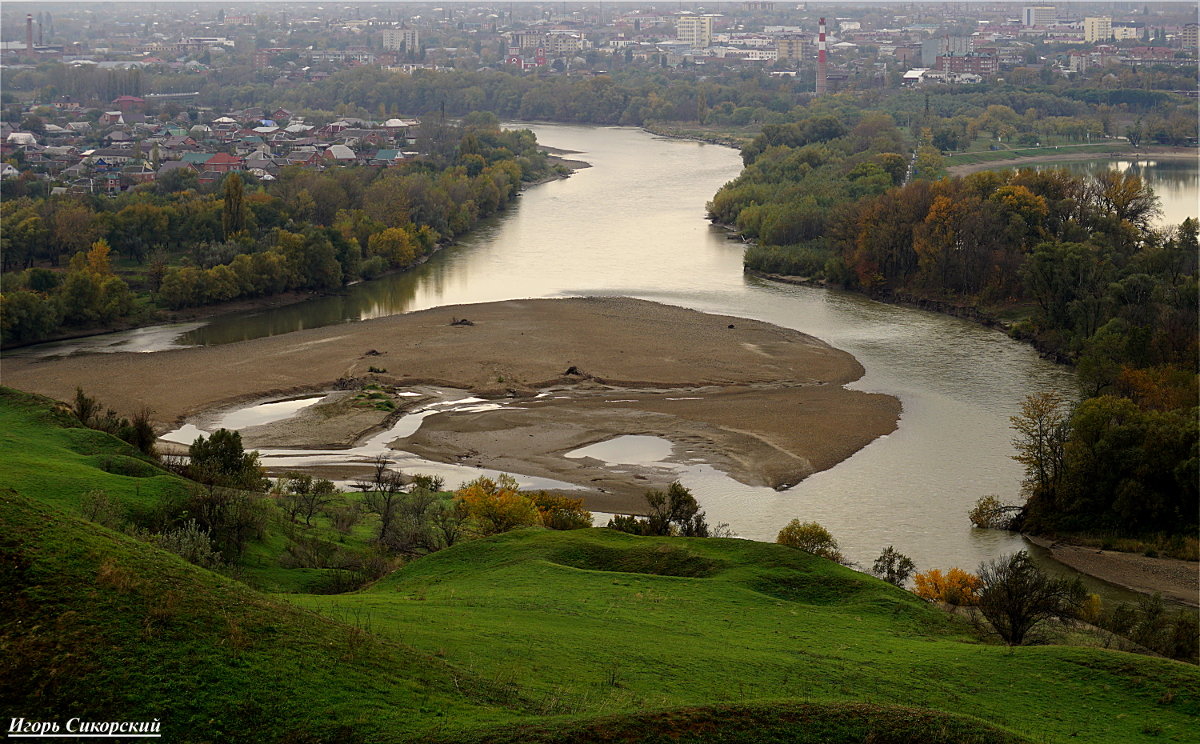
(763, 403)
(1121, 153)
(1176, 580)
(153, 316)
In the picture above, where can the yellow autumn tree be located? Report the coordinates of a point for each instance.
(956, 586)
(394, 244)
(495, 506)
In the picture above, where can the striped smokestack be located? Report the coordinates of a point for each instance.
(822, 63)
(29, 32)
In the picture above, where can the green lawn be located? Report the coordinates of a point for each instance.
(967, 158)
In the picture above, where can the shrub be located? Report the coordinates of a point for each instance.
(811, 538)
(190, 542)
(561, 512)
(956, 586)
(97, 506)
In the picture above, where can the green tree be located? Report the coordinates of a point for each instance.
(233, 215)
(893, 566)
(222, 461)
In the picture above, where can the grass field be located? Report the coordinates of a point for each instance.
(968, 158)
(533, 635)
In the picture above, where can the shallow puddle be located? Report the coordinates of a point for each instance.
(629, 449)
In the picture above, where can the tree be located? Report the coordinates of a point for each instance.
(1043, 427)
(233, 216)
(1017, 597)
(893, 566)
(811, 538)
(990, 513)
(221, 460)
(675, 512)
(381, 494)
(955, 587)
(497, 505)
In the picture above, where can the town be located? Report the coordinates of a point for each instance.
(93, 104)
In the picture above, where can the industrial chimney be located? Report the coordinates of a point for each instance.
(822, 63)
(29, 32)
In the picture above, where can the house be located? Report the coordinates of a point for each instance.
(174, 165)
(112, 117)
(340, 154)
(223, 163)
(386, 157)
(8, 171)
(129, 103)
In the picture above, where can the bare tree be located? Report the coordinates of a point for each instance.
(382, 494)
(1017, 597)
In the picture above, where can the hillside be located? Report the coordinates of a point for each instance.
(600, 621)
(533, 635)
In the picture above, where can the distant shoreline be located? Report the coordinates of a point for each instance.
(1164, 153)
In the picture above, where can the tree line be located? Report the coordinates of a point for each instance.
(181, 245)
(1079, 259)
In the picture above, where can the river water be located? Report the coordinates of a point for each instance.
(634, 224)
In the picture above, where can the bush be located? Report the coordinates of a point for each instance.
(190, 542)
(811, 538)
(561, 512)
(955, 587)
(99, 507)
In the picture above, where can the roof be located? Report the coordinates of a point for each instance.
(222, 158)
(340, 152)
(196, 157)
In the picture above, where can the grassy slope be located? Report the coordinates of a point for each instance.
(586, 622)
(567, 625)
(38, 439)
(98, 624)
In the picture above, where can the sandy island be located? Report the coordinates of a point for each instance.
(765, 404)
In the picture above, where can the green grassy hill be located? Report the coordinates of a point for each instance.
(600, 621)
(533, 635)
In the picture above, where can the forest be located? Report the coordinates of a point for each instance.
(88, 262)
(1076, 264)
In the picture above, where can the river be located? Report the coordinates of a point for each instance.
(634, 224)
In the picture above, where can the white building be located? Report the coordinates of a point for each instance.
(1097, 28)
(397, 39)
(694, 30)
(1038, 15)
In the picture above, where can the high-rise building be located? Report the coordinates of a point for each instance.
(1097, 28)
(1039, 15)
(933, 48)
(408, 39)
(694, 30)
(789, 47)
(1189, 36)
